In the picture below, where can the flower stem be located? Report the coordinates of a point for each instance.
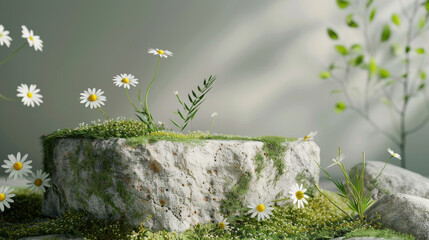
(103, 113)
(129, 99)
(283, 199)
(211, 126)
(13, 53)
(147, 93)
(329, 199)
(8, 99)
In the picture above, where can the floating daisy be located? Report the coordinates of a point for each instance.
(92, 98)
(17, 166)
(125, 80)
(176, 92)
(5, 197)
(161, 53)
(262, 210)
(30, 95)
(337, 160)
(214, 114)
(4, 37)
(33, 40)
(309, 137)
(38, 182)
(298, 196)
(395, 155)
(223, 223)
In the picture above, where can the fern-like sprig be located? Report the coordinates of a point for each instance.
(195, 101)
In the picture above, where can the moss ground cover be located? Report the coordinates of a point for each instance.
(320, 220)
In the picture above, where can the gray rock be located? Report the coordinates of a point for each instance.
(393, 180)
(402, 213)
(169, 185)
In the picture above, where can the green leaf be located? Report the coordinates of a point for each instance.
(335, 91)
(350, 22)
(372, 14)
(343, 3)
(385, 35)
(405, 75)
(356, 61)
(396, 49)
(396, 20)
(356, 48)
(386, 101)
(331, 67)
(427, 5)
(340, 107)
(368, 4)
(383, 73)
(332, 34)
(420, 50)
(325, 75)
(372, 66)
(391, 82)
(407, 49)
(342, 50)
(422, 22)
(422, 86)
(422, 75)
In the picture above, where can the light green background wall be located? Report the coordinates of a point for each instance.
(266, 54)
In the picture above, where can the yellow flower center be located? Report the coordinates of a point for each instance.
(160, 51)
(299, 195)
(17, 166)
(92, 98)
(306, 138)
(38, 182)
(1, 35)
(222, 225)
(125, 80)
(29, 95)
(31, 38)
(2, 197)
(260, 208)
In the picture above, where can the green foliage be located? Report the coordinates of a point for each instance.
(357, 48)
(340, 107)
(369, 3)
(325, 75)
(343, 4)
(372, 14)
(341, 49)
(332, 34)
(422, 22)
(427, 6)
(382, 233)
(395, 19)
(385, 35)
(356, 61)
(275, 150)
(420, 50)
(383, 73)
(25, 208)
(260, 163)
(195, 101)
(233, 202)
(350, 22)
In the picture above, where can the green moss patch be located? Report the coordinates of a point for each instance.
(233, 202)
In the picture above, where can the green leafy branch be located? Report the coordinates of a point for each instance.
(195, 100)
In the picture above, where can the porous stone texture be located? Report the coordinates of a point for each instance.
(393, 180)
(170, 185)
(402, 213)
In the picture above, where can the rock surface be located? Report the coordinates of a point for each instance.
(394, 180)
(170, 185)
(402, 213)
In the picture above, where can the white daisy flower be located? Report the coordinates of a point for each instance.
(161, 53)
(262, 210)
(298, 196)
(33, 40)
(309, 137)
(38, 181)
(223, 223)
(176, 92)
(337, 160)
(30, 95)
(17, 166)
(395, 155)
(126, 80)
(5, 197)
(92, 98)
(4, 37)
(214, 114)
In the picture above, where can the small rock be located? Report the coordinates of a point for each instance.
(402, 213)
(393, 180)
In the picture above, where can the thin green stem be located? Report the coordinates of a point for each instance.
(147, 93)
(129, 99)
(103, 113)
(8, 99)
(283, 199)
(13, 53)
(330, 200)
(211, 126)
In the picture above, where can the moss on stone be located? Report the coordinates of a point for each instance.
(233, 202)
(259, 161)
(275, 150)
(379, 233)
(307, 182)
